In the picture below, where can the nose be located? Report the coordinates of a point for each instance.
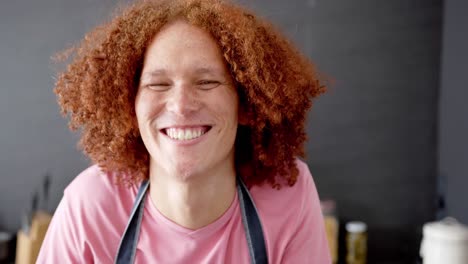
(182, 100)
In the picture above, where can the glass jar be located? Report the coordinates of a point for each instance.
(445, 241)
(356, 242)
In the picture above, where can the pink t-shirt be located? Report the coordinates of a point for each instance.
(92, 216)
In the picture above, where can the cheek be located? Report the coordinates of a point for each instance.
(228, 112)
(228, 105)
(233, 111)
(146, 107)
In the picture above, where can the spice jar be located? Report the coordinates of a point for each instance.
(356, 242)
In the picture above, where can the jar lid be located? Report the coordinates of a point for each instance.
(356, 227)
(448, 229)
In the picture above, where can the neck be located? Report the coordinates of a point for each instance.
(196, 202)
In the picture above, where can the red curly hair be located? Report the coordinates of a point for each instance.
(275, 85)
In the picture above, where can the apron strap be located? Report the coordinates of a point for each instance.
(252, 225)
(250, 219)
(127, 247)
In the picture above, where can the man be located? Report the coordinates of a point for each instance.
(193, 112)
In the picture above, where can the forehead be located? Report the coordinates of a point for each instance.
(182, 44)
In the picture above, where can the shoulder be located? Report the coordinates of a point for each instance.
(92, 178)
(94, 181)
(300, 192)
(97, 194)
(290, 214)
(89, 220)
(291, 202)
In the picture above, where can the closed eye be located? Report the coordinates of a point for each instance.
(208, 84)
(159, 87)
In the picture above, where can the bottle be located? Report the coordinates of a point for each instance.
(356, 242)
(331, 227)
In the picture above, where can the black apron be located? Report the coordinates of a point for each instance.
(251, 221)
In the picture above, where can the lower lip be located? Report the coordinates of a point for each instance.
(187, 142)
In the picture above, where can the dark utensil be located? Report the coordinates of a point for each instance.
(35, 202)
(45, 190)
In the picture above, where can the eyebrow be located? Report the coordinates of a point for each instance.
(207, 70)
(199, 70)
(155, 72)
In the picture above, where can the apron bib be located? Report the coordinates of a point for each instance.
(250, 220)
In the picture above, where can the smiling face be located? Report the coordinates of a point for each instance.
(187, 105)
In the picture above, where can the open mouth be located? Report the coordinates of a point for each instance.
(187, 133)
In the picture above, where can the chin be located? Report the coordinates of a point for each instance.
(186, 171)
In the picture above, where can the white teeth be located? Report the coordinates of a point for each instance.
(184, 134)
(188, 135)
